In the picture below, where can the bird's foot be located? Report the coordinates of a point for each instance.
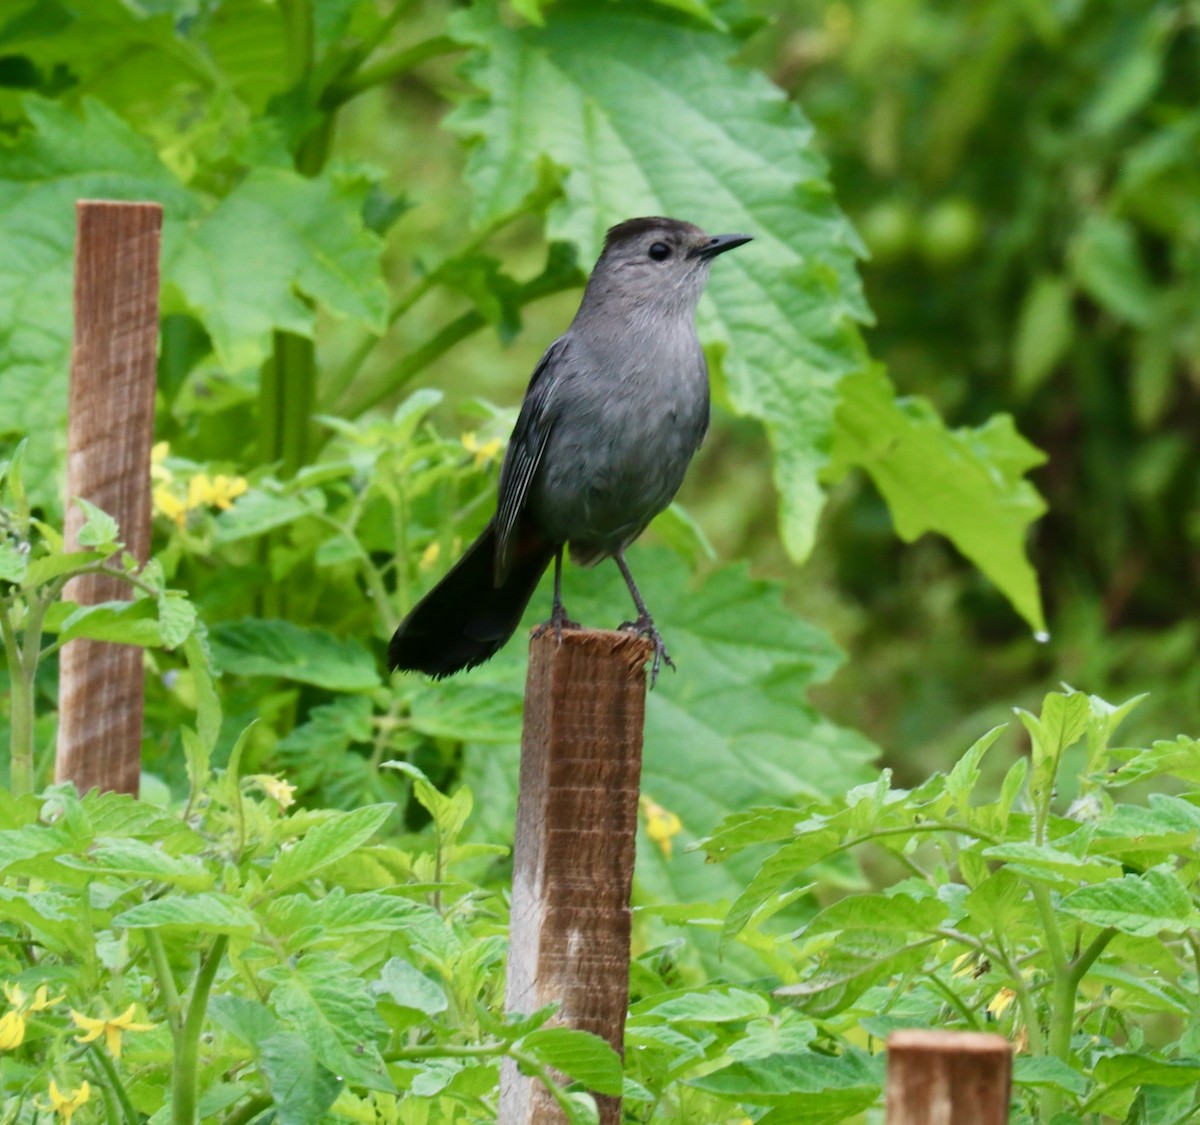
(558, 622)
(644, 627)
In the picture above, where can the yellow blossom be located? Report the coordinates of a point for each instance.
(430, 555)
(283, 792)
(661, 824)
(41, 999)
(218, 492)
(12, 1030)
(1001, 1001)
(66, 1104)
(158, 470)
(166, 503)
(484, 453)
(112, 1029)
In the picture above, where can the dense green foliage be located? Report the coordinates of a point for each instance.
(364, 198)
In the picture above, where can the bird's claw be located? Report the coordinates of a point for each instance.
(558, 621)
(644, 627)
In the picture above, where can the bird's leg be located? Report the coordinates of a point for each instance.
(644, 625)
(558, 612)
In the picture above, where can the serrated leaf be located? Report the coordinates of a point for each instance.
(13, 564)
(260, 511)
(256, 647)
(308, 239)
(327, 1003)
(779, 1077)
(300, 1086)
(886, 913)
(176, 618)
(405, 984)
(673, 129)
(141, 861)
(966, 484)
(206, 912)
(1042, 1072)
(99, 528)
(49, 567)
(326, 843)
(1143, 905)
(126, 623)
(721, 1005)
(579, 1054)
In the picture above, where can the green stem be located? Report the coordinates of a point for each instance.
(438, 345)
(248, 1111)
(184, 1081)
(21, 709)
(131, 1115)
(387, 69)
(166, 981)
(447, 1050)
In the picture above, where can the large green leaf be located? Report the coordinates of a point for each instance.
(649, 117)
(277, 238)
(967, 484)
(254, 647)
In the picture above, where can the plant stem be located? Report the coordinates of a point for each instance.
(248, 1111)
(447, 1050)
(166, 980)
(187, 1044)
(131, 1115)
(437, 345)
(21, 710)
(387, 69)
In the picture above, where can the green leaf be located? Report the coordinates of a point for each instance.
(206, 912)
(14, 563)
(328, 842)
(896, 913)
(126, 623)
(712, 1005)
(49, 567)
(579, 1054)
(99, 528)
(405, 984)
(300, 1086)
(309, 241)
(966, 484)
(1106, 262)
(260, 511)
(1044, 331)
(327, 1003)
(1143, 905)
(1050, 864)
(1054, 1073)
(254, 647)
(141, 860)
(672, 128)
(176, 618)
(780, 1077)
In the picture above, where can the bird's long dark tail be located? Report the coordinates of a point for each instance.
(466, 618)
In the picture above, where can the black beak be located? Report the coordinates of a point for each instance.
(718, 244)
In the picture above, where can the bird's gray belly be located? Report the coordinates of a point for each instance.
(611, 466)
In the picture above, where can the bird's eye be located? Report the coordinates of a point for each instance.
(660, 251)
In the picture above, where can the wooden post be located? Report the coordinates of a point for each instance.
(948, 1078)
(581, 762)
(109, 432)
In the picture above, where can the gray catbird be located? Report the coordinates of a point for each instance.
(614, 412)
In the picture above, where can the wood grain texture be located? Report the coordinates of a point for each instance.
(948, 1078)
(581, 762)
(109, 433)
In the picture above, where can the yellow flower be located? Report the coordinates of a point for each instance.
(484, 453)
(275, 787)
(12, 1030)
(112, 1029)
(66, 1104)
(661, 824)
(430, 555)
(166, 503)
(218, 492)
(41, 999)
(1001, 1001)
(159, 471)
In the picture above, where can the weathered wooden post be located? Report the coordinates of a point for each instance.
(581, 762)
(948, 1078)
(109, 434)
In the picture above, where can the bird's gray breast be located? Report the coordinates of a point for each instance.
(626, 419)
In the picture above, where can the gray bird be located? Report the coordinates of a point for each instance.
(613, 415)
